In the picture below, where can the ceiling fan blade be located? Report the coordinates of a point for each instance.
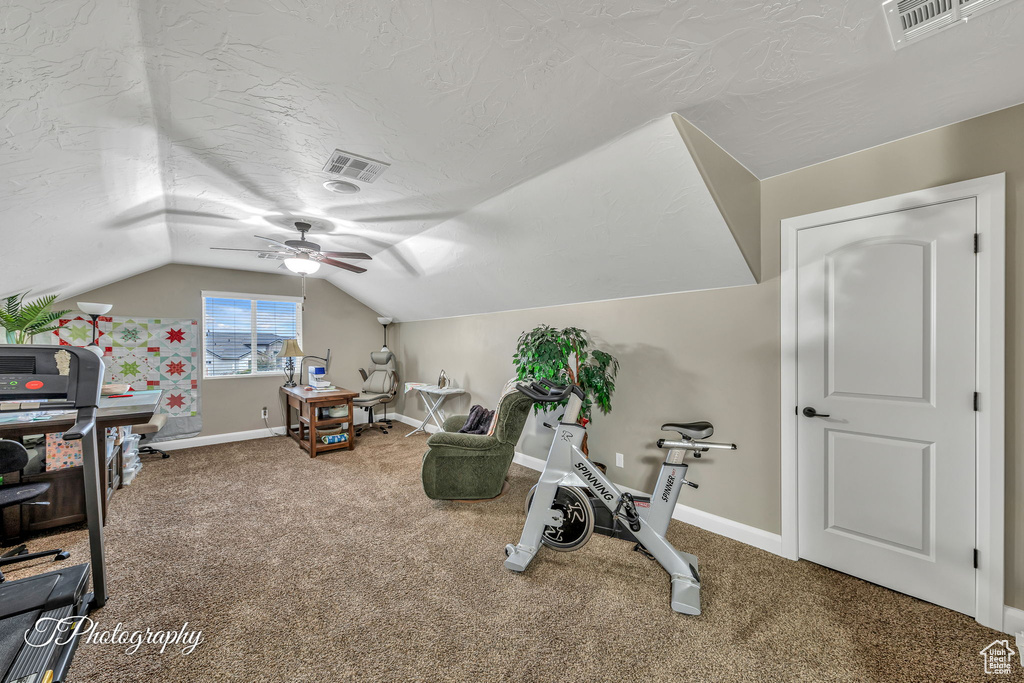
(262, 251)
(273, 241)
(346, 266)
(347, 255)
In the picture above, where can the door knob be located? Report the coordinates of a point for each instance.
(811, 412)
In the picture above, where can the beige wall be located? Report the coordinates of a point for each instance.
(701, 355)
(982, 146)
(736, 190)
(715, 354)
(331, 319)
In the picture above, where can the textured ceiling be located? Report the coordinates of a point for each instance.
(579, 232)
(136, 132)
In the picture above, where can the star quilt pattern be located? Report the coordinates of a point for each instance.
(148, 353)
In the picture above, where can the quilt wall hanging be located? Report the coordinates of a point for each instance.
(148, 353)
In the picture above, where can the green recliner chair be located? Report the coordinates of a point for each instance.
(473, 466)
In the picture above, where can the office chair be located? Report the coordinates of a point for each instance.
(146, 433)
(13, 458)
(380, 387)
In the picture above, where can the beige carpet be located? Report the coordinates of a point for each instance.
(340, 569)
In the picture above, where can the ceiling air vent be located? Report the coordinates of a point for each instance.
(354, 166)
(911, 20)
(272, 257)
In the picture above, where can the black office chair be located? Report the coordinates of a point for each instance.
(14, 457)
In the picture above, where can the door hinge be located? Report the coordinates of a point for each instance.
(975, 558)
(977, 243)
(977, 400)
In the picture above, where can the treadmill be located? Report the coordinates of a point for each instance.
(42, 617)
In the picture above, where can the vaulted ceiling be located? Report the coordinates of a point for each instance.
(137, 133)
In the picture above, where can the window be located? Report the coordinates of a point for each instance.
(243, 333)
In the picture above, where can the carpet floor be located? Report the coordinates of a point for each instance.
(340, 569)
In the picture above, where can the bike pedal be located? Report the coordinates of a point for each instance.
(643, 551)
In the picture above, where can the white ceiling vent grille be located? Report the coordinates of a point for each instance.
(271, 257)
(911, 20)
(354, 166)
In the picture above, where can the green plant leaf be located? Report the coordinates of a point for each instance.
(23, 320)
(566, 356)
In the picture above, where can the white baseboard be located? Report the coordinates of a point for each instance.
(1013, 623)
(528, 461)
(192, 442)
(431, 428)
(262, 433)
(228, 437)
(744, 533)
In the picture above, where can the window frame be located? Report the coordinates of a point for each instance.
(253, 299)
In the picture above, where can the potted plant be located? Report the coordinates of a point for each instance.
(23, 320)
(566, 356)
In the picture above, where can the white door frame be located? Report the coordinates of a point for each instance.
(990, 193)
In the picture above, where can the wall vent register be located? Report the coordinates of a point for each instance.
(349, 165)
(912, 20)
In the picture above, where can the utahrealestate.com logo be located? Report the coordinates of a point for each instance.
(998, 657)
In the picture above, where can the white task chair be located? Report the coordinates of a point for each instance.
(148, 431)
(380, 387)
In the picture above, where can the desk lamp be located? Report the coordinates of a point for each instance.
(94, 311)
(290, 351)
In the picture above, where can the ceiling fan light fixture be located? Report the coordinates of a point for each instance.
(341, 187)
(302, 264)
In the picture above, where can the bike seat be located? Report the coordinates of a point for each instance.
(690, 430)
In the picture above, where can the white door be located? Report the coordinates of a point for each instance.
(886, 350)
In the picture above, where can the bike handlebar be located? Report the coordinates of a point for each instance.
(691, 445)
(546, 391)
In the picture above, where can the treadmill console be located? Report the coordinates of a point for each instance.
(61, 376)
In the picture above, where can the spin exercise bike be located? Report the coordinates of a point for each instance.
(562, 506)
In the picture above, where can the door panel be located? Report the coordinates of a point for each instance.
(897, 364)
(901, 514)
(886, 349)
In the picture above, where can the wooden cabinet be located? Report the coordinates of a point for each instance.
(67, 488)
(307, 405)
(66, 497)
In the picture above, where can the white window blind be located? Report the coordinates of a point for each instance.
(242, 334)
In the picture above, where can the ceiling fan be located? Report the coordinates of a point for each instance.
(302, 256)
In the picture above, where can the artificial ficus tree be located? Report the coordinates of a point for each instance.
(565, 356)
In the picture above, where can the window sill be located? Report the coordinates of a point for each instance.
(263, 375)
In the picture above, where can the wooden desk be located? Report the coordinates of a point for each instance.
(67, 486)
(306, 403)
(136, 409)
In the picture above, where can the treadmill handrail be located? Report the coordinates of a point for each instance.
(85, 422)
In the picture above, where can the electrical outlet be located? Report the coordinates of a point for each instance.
(263, 413)
(620, 460)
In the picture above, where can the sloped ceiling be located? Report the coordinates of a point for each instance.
(631, 218)
(136, 133)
